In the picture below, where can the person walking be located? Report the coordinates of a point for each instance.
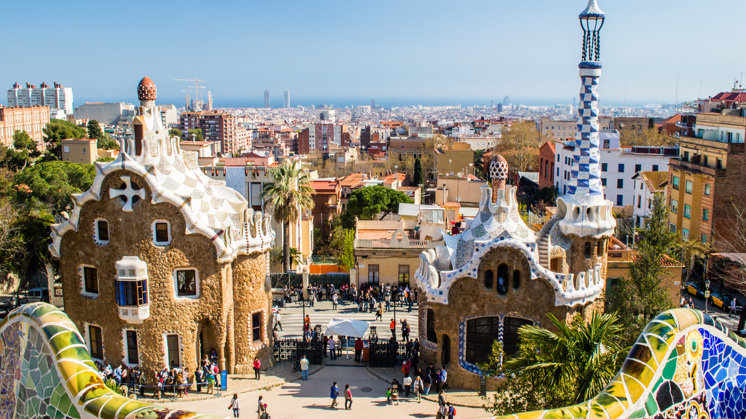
(428, 383)
(348, 397)
(278, 320)
(418, 388)
(443, 379)
(234, 405)
(333, 393)
(334, 301)
(732, 307)
(304, 367)
(379, 313)
(450, 410)
(257, 368)
(261, 408)
(407, 385)
(441, 398)
(392, 326)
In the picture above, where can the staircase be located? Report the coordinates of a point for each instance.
(544, 243)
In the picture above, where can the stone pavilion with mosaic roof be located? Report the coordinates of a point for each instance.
(161, 265)
(499, 274)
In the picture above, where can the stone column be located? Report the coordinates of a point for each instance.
(353, 278)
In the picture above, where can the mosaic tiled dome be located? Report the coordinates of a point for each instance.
(146, 90)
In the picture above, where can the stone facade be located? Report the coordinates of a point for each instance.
(168, 264)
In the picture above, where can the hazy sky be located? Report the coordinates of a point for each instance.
(469, 50)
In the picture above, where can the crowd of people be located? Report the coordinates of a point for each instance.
(368, 297)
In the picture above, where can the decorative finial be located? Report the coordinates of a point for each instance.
(498, 174)
(146, 90)
(592, 20)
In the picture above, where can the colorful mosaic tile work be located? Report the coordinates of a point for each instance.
(685, 365)
(46, 372)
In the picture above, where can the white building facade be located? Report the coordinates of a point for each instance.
(57, 98)
(618, 165)
(647, 185)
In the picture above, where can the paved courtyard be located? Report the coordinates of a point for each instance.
(310, 399)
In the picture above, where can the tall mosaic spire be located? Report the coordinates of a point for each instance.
(583, 209)
(585, 178)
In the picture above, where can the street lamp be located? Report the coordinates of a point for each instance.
(707, 294)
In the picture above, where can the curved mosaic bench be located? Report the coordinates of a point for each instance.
(46, 372)
(685, 365)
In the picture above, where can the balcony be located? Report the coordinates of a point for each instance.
(691, 167)
(131, 285)
(404, 243)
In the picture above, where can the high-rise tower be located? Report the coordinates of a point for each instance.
(266, 98)
(586, 214)
(286, 99)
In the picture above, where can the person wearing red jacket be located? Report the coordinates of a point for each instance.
(358, 350)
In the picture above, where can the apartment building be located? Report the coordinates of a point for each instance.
(31, 119)
(216, 126)
(565, 130)
(56, 98)
(618, 164)
(707, 178)
(546, 165)
(647, 185)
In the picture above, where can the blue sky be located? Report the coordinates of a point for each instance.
(468, 51)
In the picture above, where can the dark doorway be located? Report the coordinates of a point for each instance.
(172, 349)
(445, 353)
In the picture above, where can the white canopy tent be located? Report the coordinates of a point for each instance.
(347, 327)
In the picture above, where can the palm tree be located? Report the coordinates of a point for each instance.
(579, 360)
(288, 197)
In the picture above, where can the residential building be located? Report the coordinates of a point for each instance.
(707, 179)
(30, 119)
(327, 198)
(56, 98)
(647, 185)
(617, 165)
(466, 190)
(81, 150)
(546, 165)
(619, 261)
(160, 265)
(388, 252)
(216, 126)
(565, 130)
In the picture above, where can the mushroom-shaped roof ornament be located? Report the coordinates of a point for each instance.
(146, 90)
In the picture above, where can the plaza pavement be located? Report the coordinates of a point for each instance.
(310, 399)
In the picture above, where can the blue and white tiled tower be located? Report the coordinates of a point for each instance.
(586, 211)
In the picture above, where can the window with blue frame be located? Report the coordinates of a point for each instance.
(132, 293)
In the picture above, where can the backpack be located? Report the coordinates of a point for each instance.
(453, 411)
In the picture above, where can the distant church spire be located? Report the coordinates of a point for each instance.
(585, 177)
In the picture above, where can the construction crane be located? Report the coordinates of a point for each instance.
(197, 87)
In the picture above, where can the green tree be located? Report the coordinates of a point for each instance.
(520, 146)
(417, 178)
(347, 258)
(195, 134)
(559, 369)
(642, 293)
(288, 197)
(50, 185)
(94, 130)
(22, 141)
(58, 130)
(366, 203)
(107, 143)
(174, 132)
(12, 244)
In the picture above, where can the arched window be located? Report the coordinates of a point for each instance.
(488, 278)
(516, 279)
(587, 250)
(502, 279)
(600, 248)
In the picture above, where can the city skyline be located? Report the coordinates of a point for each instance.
(411, 52)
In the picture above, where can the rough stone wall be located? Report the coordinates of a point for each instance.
(131, 235)
(468, 297)
(252, 293)
(576, 256)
